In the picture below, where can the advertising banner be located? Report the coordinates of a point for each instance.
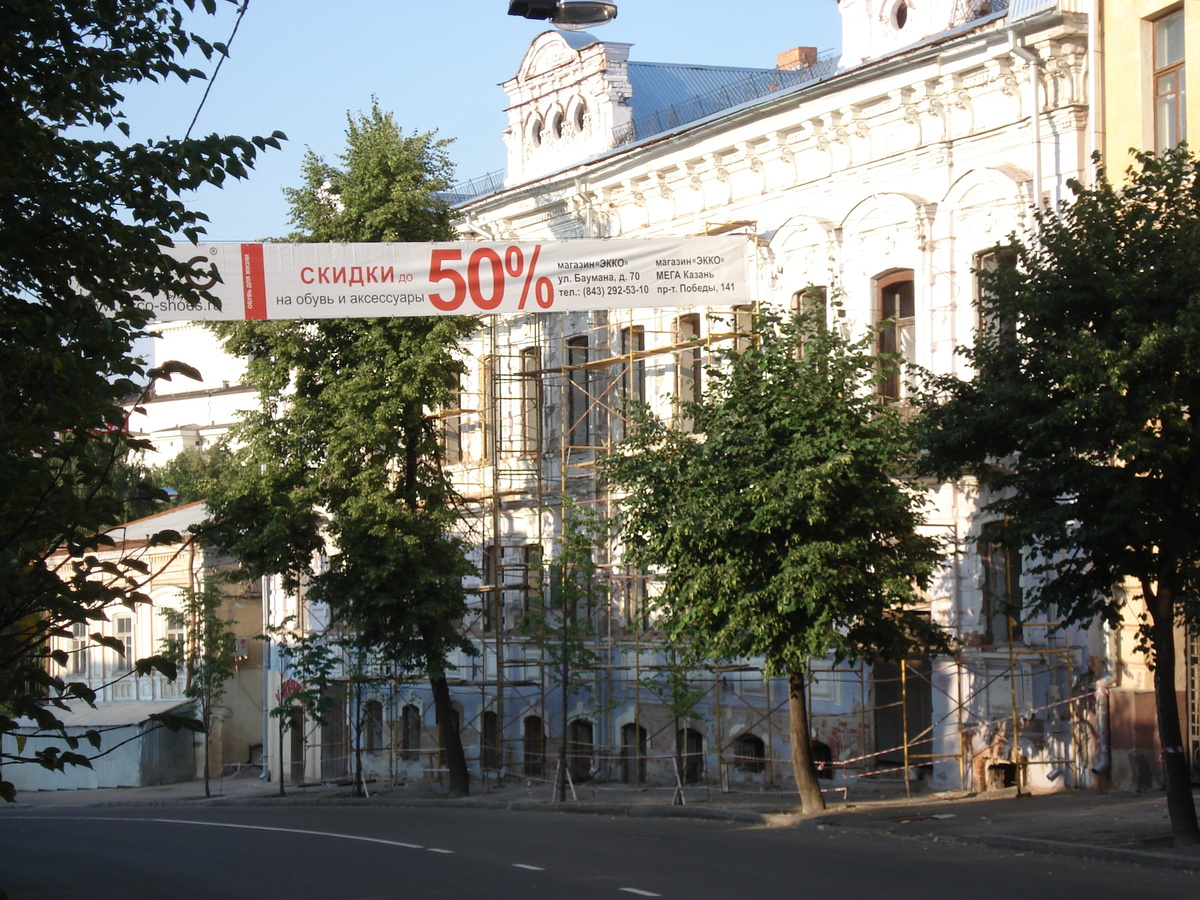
(321, 281)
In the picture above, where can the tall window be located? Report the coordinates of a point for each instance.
(987, 322)
(534, 740)
(531, 576)
(123, 625)
(579, 432)
(531, 401)
(489, 741)
(631, 376)
(489, 417)
(372, 726)
(688, 368)
(489, 595)
(452, 430)
(812, 301)
(743, 328)
(1170, 102)
(79, 648)
(898, 329)
(750, 753)
(410, 732)
(1001, 612)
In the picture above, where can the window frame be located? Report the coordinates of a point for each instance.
(899, 337)
(1173, 100)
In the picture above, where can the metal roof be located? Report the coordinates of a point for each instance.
(666, 94)
(178, 519)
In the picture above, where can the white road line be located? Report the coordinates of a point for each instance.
(640, 893)
(437, 850)
(332, 834)
(530, 868)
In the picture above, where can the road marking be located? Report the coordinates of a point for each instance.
(530, 868)
(436, 850)
(332, 834)
(640, 893)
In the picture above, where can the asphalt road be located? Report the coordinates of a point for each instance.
(179, 853)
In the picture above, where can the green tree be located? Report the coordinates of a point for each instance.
(205, 655)
(784, 526)
(310, 666)
(192, 474)
(561, 624)
(83, 215)
(1080, 421)
(343, 451)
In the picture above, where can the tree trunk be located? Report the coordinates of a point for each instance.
(811, 800)
(359, 785)
(451, 740)
(560, 777)
(207, 752)
(1180, 805)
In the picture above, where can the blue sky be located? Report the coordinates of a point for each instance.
(299, 66)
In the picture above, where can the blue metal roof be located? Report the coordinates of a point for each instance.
(666, 95)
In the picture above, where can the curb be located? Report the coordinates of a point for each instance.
(1085, 851)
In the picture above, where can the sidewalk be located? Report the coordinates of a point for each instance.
(1113, 826)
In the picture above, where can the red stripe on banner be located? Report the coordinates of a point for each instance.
(254, 283)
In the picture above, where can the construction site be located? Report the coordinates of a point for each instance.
(545, 399)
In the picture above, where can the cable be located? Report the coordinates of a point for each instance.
(240, 13)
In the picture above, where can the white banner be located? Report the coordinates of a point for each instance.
(321, 281)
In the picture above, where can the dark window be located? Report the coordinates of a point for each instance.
(531, 401)
(578, 386)
(1170, 106)
(534, 747)
(633, 754)
(372, 726)
(898, 330)
(579, 749)
(489, 415)
(689, 744)
(410, 726)
(531, 576)
(1001, 612)
(489, 594)
(750, 753)
(489, 744)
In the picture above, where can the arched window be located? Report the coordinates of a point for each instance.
(579, 749)
(1001, 609)
(689, 744)
(633, 753)
(534, 745)
(489, 742)
(896, 315)
(372, 726)
(410, 726)
(750, 753)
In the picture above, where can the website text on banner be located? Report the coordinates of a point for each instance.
(322, 281)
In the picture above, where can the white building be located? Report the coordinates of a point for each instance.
(887, 179)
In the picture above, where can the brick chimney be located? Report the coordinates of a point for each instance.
(796, 58)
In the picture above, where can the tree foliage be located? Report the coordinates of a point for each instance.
(784, 526)
(560, 622)
(205, 656)
(1080, 422)
(343, 452)
(192, 474)
(83, 215)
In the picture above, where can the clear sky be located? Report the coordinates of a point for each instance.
(299, 66)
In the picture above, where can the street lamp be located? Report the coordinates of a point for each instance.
(566, 14)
